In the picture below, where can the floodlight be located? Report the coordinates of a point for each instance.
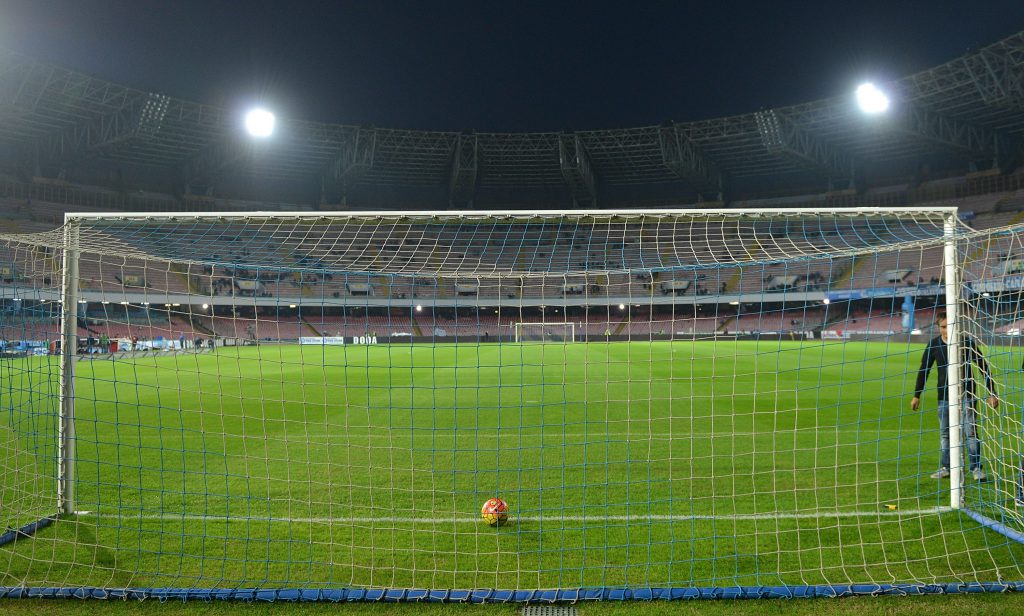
(260, 123)
(826, 301)
(871, 99)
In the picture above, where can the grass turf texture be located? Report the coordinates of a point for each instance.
(624, 464)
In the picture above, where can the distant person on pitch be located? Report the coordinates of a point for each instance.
(937, 352)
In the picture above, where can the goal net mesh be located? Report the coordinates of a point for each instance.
(324, 402)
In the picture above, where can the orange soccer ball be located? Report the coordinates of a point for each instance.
(495, 512)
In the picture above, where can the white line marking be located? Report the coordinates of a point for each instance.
(131, 515)
(393, 433)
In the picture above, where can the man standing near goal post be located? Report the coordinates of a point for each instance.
(937, 352)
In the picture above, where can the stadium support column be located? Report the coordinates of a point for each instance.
(953, 376)
(354, 158)
(69, 344)
(462, 184)
(684, 158)
(576, 170)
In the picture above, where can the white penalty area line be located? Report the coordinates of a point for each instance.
(412, 519)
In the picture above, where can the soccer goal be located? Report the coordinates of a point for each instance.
(545, 331)
(740, 414)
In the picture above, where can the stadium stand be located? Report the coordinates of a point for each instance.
(488, 247)
(244, 328)
(172, 329)
(779, 321)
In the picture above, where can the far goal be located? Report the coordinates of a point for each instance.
(545, 331)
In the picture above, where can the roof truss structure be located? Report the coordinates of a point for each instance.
(968, 110)
(685, 158)
(781, 136)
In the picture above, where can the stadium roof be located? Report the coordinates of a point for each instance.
(963, 115)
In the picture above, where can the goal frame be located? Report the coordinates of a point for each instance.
(517, 327)
(69, 288)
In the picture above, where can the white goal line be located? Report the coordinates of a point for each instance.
(400, 434)
(881, 513)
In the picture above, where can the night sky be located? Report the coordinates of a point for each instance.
(509, 66)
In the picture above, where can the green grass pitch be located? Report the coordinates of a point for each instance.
(624, 464)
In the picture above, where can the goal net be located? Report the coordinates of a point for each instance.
(317, 406)
(544, 331)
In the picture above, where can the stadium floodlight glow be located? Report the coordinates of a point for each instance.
(871, 100)
(419, 308)
(205, 306)
(826, 301)
(260, 123)
(622, 306)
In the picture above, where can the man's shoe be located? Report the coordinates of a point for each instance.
(942, 473)
(979, 475)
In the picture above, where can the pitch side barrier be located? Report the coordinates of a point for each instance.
(827, 336)
(999, 339)
(591, 338)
